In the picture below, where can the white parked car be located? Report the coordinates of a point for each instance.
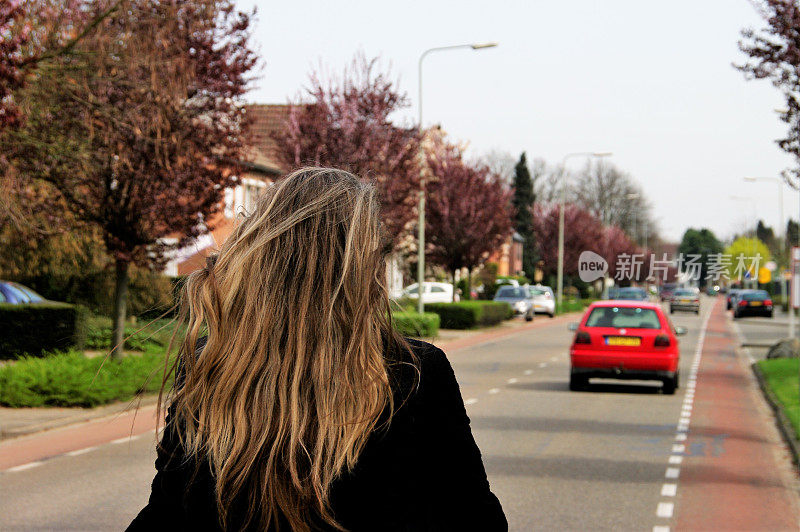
(544, 301)
(433, 292)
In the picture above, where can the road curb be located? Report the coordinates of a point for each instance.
(783, 423)
(84, 416)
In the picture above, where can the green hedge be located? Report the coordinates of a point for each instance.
(143, 336)
(71, 379)
(574, 305)
(35, 329)
(415, 324)
(149, 293)
(470, 314)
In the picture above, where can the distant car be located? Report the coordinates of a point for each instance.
(544, 302)
(666, 291)
(632, 293)
(685, 299)
(519, 298)
(433, 292)
(17, 294)
(753, 303)
(625, 340)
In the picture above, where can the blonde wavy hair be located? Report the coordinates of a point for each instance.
(292, 379)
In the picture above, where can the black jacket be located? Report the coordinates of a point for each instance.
(422, 474)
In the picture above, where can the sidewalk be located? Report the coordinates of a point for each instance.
(737, 473)
(16, 422)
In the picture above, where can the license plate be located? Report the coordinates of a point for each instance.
(686, 300)
(755, 303)
(624, 340)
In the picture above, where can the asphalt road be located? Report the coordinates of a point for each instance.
(558, 460)
(561, 460)
(758, 332)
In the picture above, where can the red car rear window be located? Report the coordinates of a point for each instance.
(624, 317)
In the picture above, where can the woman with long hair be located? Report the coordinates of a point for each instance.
(296, 405)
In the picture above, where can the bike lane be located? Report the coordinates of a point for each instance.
(736, 472)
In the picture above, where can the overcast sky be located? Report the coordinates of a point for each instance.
(650, 81)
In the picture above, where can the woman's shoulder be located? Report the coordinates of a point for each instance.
(422, 363)
(422, 354)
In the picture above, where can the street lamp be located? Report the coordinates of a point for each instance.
(560, 279)
(633, 196)
(784, 229)
(752, 203)
(421, 206)
(780, 195)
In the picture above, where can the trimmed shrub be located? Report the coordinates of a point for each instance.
(35, 329)
(147, 291)
(71, 379)
(575, 305)
(404, 304)
(415, 324)
(144, 336)
(470, 314)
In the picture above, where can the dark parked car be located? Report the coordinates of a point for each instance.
(753, 303)
(17, 294)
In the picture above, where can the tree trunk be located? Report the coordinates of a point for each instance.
(120, 308)
(469, 284)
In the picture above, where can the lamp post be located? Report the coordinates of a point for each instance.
(780, 196)
(752, 203)
(785, 232)
(560, 276)
(421, 205)
(634, 196)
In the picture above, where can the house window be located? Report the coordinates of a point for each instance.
(251, 193)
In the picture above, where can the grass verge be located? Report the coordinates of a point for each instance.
(73, 380)
(781, 376)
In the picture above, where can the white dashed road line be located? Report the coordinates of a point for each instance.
(81, 451)
(23, 467)
(470, 401)
(665, 510)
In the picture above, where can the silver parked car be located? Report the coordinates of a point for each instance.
(544, 301)
(519, 298)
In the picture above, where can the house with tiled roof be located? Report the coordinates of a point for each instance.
(261, 167)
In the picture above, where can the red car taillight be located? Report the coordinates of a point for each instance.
(582, 337)
(742, 303)
(662, 340)
(768, 302)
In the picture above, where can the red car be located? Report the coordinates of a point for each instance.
(625, 340)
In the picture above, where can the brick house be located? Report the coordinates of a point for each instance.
(261, 169)
(509, 256)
